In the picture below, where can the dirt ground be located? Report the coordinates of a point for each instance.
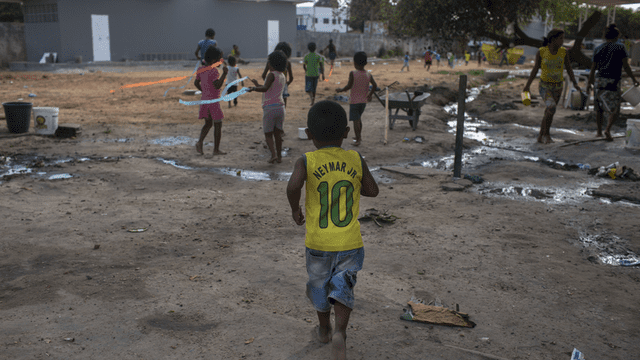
(219, 272)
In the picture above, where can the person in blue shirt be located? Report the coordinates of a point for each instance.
(608, 59)
(203, 45)
(406, 62)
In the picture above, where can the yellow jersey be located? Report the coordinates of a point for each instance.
(332, 205)
(552, 65)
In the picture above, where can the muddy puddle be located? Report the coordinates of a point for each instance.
(608, 248)
(18, 165)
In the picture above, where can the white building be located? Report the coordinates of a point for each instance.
(322, 19)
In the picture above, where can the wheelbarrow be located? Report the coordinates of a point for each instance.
(408, 102)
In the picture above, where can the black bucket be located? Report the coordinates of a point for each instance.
(18, 116)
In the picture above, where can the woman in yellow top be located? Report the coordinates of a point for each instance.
(552, 59)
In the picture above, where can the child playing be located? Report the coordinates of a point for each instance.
(286, 49)
(360, 94)
(203, 45)
(427, 59)
(438, 59)
(406, 62)
(312, 65)
(334, 248)
(209, 82)
(273, 103)
(234, 74)
(467, 57)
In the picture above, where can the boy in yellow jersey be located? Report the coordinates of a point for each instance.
(335, 180)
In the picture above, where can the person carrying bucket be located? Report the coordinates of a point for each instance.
(552, 59)
(608, 59)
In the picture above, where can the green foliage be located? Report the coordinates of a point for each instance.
(627, 21)
(11, 12)
(476, 72)
(443, 72)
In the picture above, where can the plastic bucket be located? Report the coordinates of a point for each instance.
(632, 96)
(45, 120)
(578, 100)
(632, 140)
(18, 116)
(302, 134)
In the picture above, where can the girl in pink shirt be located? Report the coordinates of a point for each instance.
(273, 103)
(360, 94)
(210, 82)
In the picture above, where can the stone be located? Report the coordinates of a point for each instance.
(68, 130)
(452, 187)
(464, 182)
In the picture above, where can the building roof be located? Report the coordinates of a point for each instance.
(609, 2)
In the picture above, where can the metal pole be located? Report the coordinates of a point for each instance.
(462, 94)
(386, 115)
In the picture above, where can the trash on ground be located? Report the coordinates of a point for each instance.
(378, 216)
(615, 171)
(577, 355)
(137, 230)
(342, 98)
(495, 106)
(249, 341)
(437, 315)
(96, 246)
(70, 339)
(419, 139)
(474, 178)
(32, 95)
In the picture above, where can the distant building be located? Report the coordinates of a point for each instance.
(115, 30)
(321, 18)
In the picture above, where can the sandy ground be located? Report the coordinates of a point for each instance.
(219, 272)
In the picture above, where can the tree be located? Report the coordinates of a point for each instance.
(11, 12)
(465, 19)
(363, 10)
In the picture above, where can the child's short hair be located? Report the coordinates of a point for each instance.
(612, 32)
(210, 33)
(212, 55)
(232, 61)
(284, 47)
(311, 46)
(278, 60)
(360, 58)
(327, 121)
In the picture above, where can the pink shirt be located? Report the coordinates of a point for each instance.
(209, 92)
(273, 96)
(360, 88)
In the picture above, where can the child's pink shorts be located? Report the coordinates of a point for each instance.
(213, 111)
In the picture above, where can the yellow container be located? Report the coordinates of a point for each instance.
(526, 98)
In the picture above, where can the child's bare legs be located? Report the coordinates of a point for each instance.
(607, 131)
(312, 94)
(339, 339)
(274, 148)
(357, 127)
(324, 330)
(217, 134)
(599, 118)
(208, 123)
(545, 126)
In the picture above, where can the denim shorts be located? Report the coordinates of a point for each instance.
(356, 110)
(332, 277)
(310, 83)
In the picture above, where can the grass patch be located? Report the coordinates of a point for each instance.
(476, 72)
(443, 72)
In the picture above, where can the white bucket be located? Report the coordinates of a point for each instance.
(301, 134)
(45, 120)
(632, 96)
(632, 140)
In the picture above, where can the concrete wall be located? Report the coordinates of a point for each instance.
(12, 47)
(159, 26)
(350, 43)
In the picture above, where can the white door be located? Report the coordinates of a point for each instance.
(273, 35)
(101, 42)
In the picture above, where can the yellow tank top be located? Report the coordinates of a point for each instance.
(552, 65)
(334, 180)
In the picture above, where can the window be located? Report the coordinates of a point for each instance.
(325, 20)
(41, 13)
(316, 20)
(333, 21)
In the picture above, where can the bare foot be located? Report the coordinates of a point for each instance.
(199, 148)
(547, 139)
(218, 152)
(608, 136)
(599, 134)
(279, 160)
(338, 347)
(324, 334)
(357, 143)
(272, 160)
(540, 139)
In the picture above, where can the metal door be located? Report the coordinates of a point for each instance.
(101, 42)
